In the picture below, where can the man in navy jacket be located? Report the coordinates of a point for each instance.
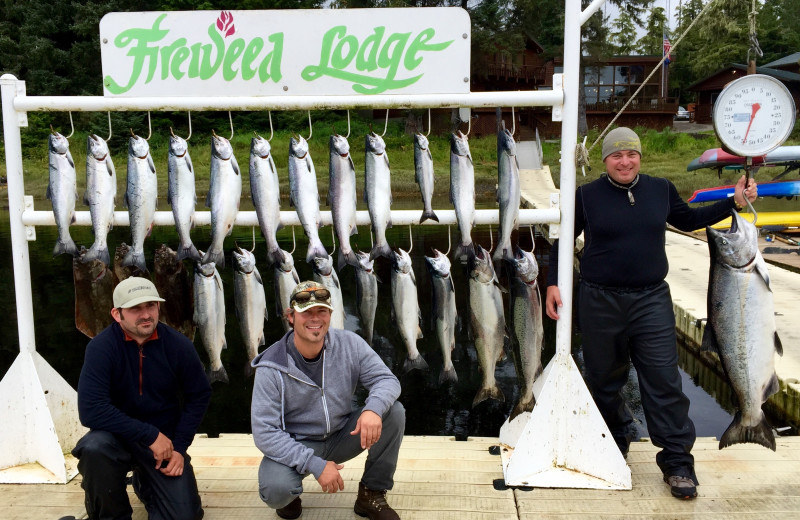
(143, 393)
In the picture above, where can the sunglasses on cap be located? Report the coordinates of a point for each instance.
(318, 294)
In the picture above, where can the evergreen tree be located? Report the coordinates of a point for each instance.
(651, 44)
(624, 36)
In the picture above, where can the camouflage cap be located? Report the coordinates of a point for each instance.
(620, 139)
(310, 287)
(132, 291)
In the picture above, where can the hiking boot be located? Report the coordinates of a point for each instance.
(293, 510)
(372, 504)
(681, 487)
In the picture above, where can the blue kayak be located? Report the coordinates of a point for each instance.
(765, 189)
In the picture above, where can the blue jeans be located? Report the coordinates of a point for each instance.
(278, 484)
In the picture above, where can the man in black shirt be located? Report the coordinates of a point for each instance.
(624, 304)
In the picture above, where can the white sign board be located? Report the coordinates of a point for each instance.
(286, 52)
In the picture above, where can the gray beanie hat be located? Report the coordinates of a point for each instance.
(620, 139)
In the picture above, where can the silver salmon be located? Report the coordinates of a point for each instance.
(265, 190)
(342, 197)
(62, 192)
(305, 195)
(140, 198)
(378, 193)
(423, 174)
(100, 196)
(224, 197)
(285, 280)
(508, 192)
(444, 311)
(462, 192)
(406, 308)
(525, 308)
(250, 302)
(741, 328)
(209, 317)
(325, 274)
(174, 284)
(366, 294)
(487, 320)
(181, 194)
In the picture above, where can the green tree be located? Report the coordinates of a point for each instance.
(777, 29)
(652, 42)
(624, 35)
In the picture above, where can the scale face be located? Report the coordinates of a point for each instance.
(753, 115)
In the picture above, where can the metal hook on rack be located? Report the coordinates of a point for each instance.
(348, 124)
(190, 126)
(491, 239)
(109, 127)
(533, 239)
(386, 124)
(513, 123)
(333, 237)
(271, 132)
(429, 123)
(310, 128)
(449, 241)
(71, 125)
(254, 239)
(410, 239)
(294, 242)
(149, 126)
(469, 125)
(230, 118)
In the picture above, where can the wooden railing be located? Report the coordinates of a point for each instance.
(527, 73)
(669, 105)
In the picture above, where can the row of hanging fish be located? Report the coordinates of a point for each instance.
(226, 187)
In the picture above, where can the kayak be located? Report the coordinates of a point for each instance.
(719, 158)
(774, 219)
(765, 189)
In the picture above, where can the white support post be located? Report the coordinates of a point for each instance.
(564, 442)
(39, 408)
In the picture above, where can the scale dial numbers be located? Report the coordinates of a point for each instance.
(753, 115)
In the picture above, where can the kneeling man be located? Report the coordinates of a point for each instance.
(302, 414)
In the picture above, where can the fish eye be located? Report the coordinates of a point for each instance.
(724, 242)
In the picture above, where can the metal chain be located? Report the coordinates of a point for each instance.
(754, 47)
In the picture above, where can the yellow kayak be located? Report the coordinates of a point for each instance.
(766, 218)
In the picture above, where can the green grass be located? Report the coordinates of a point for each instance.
(665, 154)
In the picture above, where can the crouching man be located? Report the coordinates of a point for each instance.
(302, 414)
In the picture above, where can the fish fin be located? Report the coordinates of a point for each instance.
(380, 250)
(737, 433)
(213, 256)
(169, 194)
(417, 363)
(419, 329)
(709, 342)
(315, 250)
(97, 253)
(208, 199)
(448, 375)
(69, 159)
(464, 251)
(342, 261)
(150, 163)
(189, 252)
(189, 163)
(386, 159)
(778, 344)
(258, 276)
(761, 269)
(235, 165)
(275, 257)
(502, 289)
(86, 198)
(49, 194)
(350, 160)
(354, 230)
(125, 200)
(523, 405)
(65, 247)
(488, 393)
(110, 167)
(428, 215)
(149, 230)
(772, 388)
(220, 375)
(136, 260)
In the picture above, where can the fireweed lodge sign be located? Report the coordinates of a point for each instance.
(286, 52)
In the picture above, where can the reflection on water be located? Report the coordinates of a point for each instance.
(432, 409)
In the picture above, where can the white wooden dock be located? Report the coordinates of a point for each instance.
(439, 478)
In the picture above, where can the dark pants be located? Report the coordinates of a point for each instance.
(620, 327)
(105, 461)
(278, 484)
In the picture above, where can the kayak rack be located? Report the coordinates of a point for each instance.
(562, 443)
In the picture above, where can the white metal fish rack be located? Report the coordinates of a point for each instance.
(562, 443)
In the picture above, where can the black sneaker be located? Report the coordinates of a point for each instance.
(681, 487)
(291, 511)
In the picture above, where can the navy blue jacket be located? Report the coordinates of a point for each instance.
(168, 392)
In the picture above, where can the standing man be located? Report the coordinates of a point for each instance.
(302, 413)
(142, 392)
(624, 305)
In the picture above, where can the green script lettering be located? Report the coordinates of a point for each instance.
(371, 44)
(250, 54)
(166, 52)
(140, 52)
(270, 67)
(411, 61)
(231, 55)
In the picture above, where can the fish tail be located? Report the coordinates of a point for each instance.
(275, 256)
(380, 250)
(523, 405)
(97, 252)
(416, 363)
(488, 393)
(316, 250)
(346, 258)
(504, 251)
(737, 433)
(464, 251)
(448, 375)
(188, 252)
(428, 214)
(67, 246)
(218, 257)
(217, 375)
(135, 259)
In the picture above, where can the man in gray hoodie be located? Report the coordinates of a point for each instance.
(302, 414)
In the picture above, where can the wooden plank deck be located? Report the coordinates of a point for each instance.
(439, 478)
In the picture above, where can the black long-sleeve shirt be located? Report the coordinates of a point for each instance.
(136, 393)
(624, 244)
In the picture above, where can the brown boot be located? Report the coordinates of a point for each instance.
(373, 505)
(293, 510)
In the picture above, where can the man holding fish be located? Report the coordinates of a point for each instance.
(143, 393)
(302, 414)
(624, 305)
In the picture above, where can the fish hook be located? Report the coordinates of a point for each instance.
(333, 237)
(230, 118)
(513, 123)
(71, 125)
(310, 128)
(190, 126)
(533, 240)
(410, 239)
(294, 242)
(491, 239)
(109, 126)
(149, 127)
(254, 239)
(348, 124)
(469, 125)
(449, 241)
(386, 123)
(429, 123)
(271, 132)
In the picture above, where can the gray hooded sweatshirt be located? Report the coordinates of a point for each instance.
(287, 405)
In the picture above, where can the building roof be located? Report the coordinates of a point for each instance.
(775, 73)
(791, 59)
